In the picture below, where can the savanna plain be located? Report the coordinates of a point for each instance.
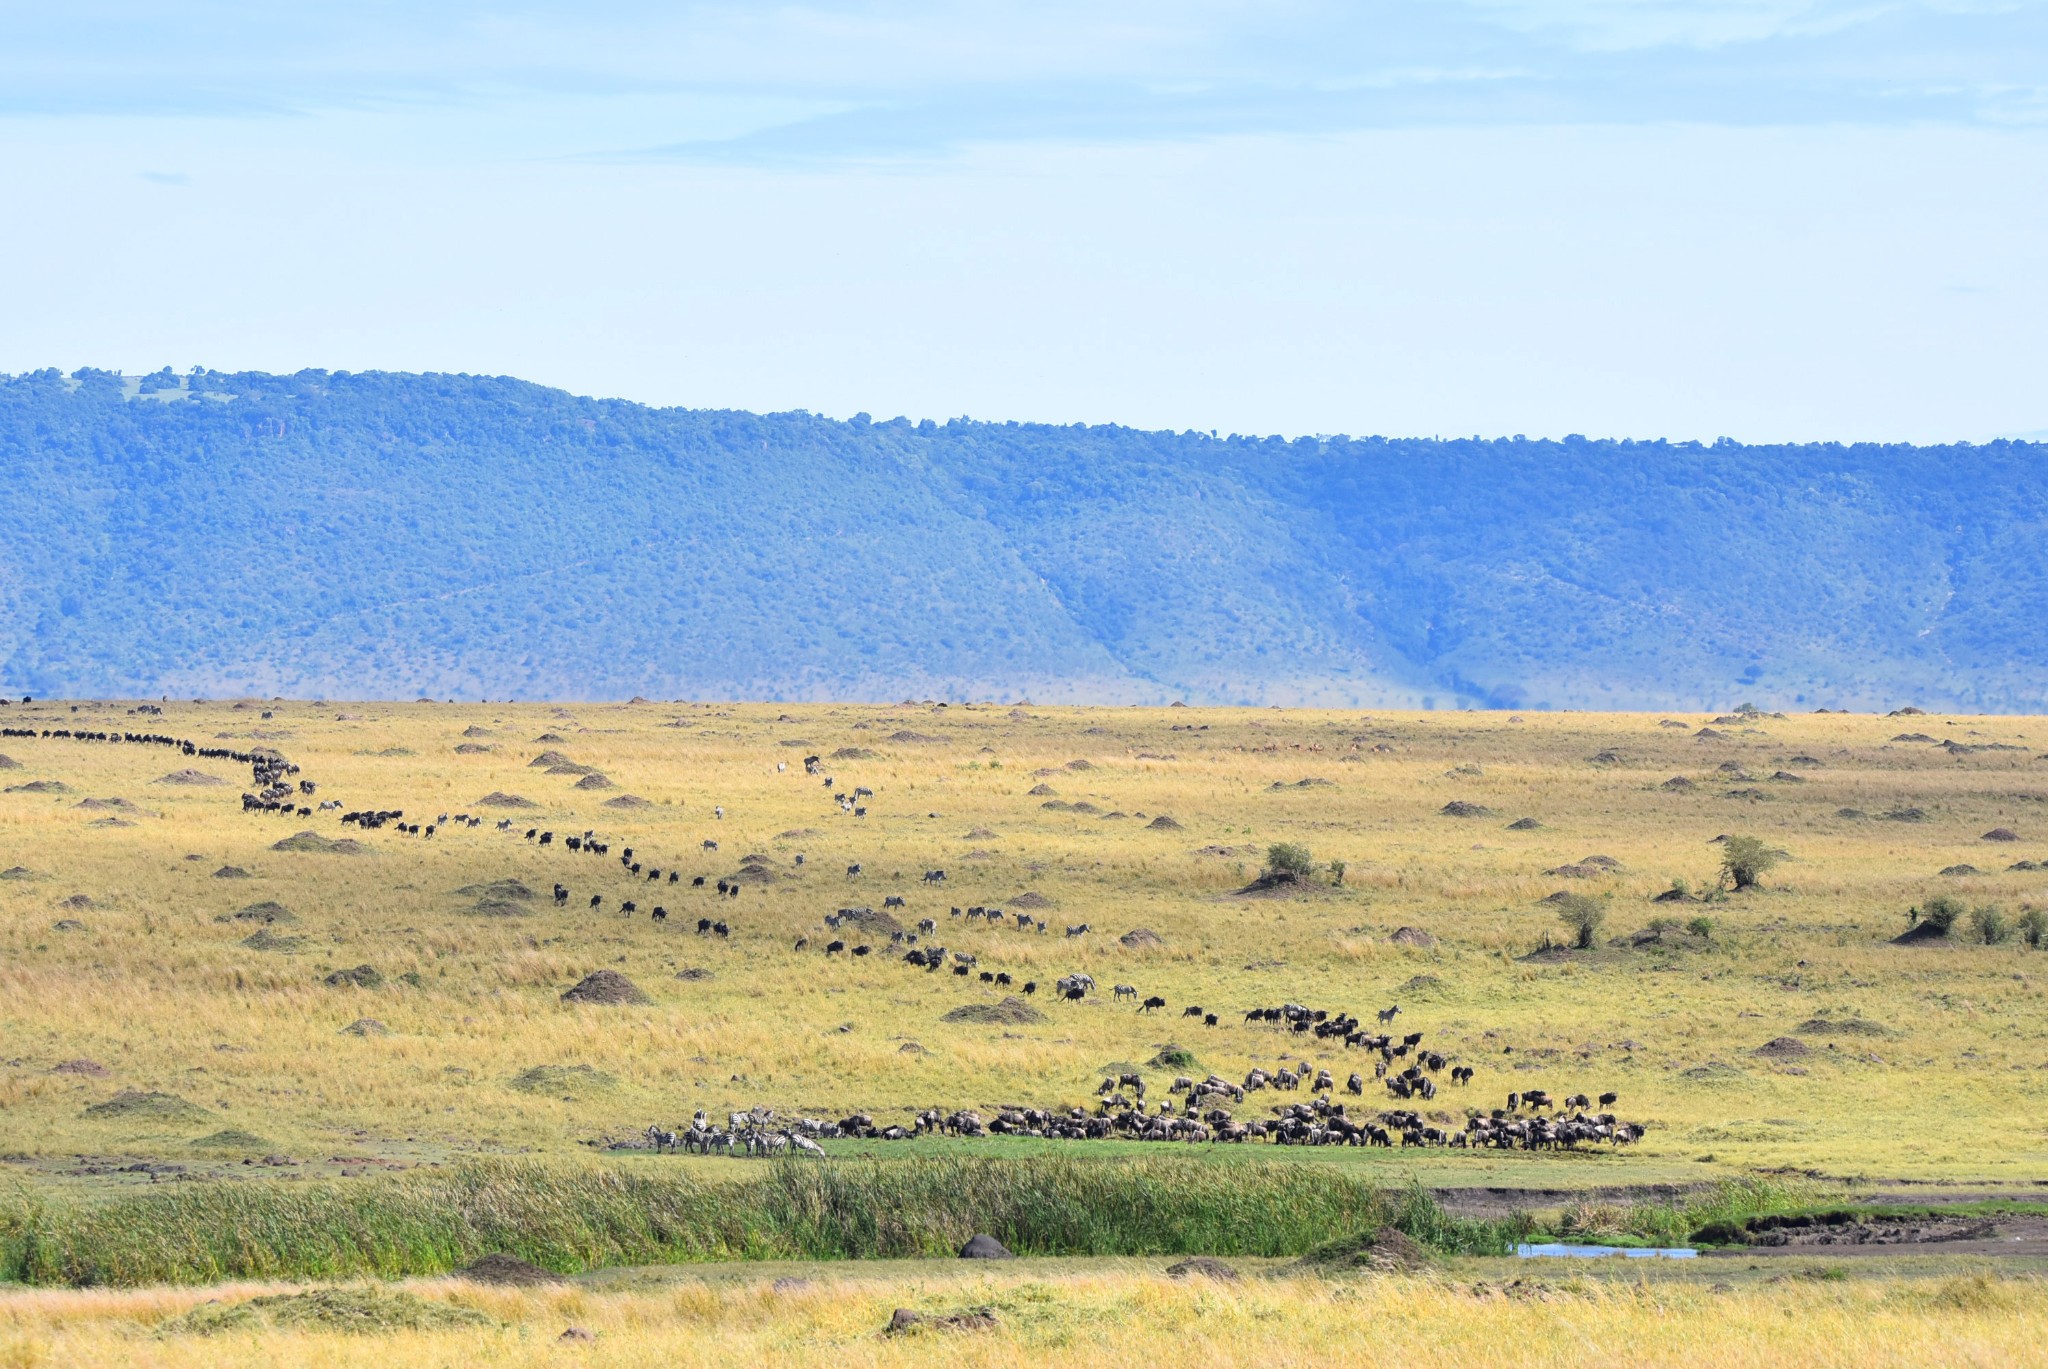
(273, 1086)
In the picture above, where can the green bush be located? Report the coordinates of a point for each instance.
(2033, 927)
(1944, 911)
(1288, 860)
(1701, 927)
(1583, 914)
(1988, 923)
(1745, 859)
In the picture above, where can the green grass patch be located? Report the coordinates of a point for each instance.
(574, 1217)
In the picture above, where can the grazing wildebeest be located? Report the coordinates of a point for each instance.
(1030, 986)
(697, 883)
(660, 914)
(1151, 1003)
(596, 899)
(1208, 1019)
(1606, 1099)
(834, 947)
(703, 926)
(1192, 1012)
(860, 950)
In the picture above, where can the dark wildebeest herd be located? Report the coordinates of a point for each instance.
(1207, 1110)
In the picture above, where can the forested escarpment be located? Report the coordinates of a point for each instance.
(391, 535)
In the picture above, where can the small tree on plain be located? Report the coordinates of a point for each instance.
(1988, 925)
(1943, 911)
(1744, 860)
(1289, 861)
(1583, 914)
(2034, 927)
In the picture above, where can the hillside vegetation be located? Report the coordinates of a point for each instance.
(390, 535)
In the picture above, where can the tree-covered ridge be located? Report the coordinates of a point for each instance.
(380, 534)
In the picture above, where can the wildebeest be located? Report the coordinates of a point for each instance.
(1155, 1001)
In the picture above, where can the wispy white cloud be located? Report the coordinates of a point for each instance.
(724, 81)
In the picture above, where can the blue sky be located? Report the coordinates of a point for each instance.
(1758, 218)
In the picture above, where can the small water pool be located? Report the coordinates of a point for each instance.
(1557, 1250)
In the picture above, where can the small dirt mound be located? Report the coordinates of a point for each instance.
(868, 920)
(562, 1079)
(1421, 983)
(1960, 870)
(315, 843)
(106, 805)
(627, 801)
(1784, 1048)
(605, 986)
(136, 1105)
(508, 1271)
(1204, 1266)
(79, 903)
(266, 940)
(1679, 784)
(197, 778)
(985, 1247)
(1163, 823)
(1524, 825)
(473, 749)
(1385, 1251)
(512, 890)
(1459, 808)
(91, 1068)
(9, 763)
(981, 834)
(362, 1310)
(1172, 1057)
(915, 738)
(549, 737)
(234, 1138)
(1011, 1012)
(475, 731)
(1576, 871)
(1031, 899)
(1141, 938)
(365, 1026)
(231, 872)
(2001, 834)
(360, 976)
(17, 872)
(40, 787)
(1040, 791)
(547, 760)
(267, 912)
(1908, 814)
(853, 753)
(594, 780)
(1921, 934)
(1841, 1026)
(498, 798)
(570, 769)
(1412, 936)
(695, 974)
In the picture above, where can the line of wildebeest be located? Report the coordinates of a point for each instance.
(1529, 1121)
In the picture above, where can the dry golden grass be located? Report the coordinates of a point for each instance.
(1103, 1314)
(166, 997)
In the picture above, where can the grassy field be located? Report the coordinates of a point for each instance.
(1073, 1312)
(126, 978)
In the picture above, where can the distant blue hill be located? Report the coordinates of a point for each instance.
(463, 536)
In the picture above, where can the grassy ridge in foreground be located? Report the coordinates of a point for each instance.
(578, 1217)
